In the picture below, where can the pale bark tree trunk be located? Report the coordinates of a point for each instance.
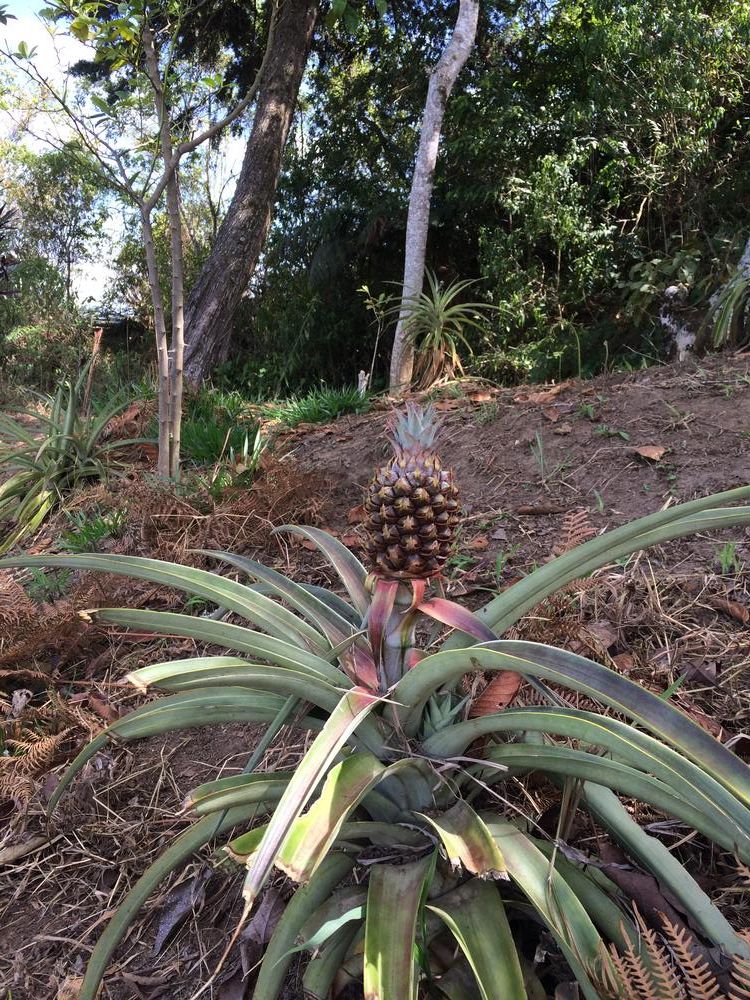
(214, 299)
(113, 168)
(441, 83)
(176, 352)
(162, 352)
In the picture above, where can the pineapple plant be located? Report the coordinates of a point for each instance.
(415, 876)
(412, 507)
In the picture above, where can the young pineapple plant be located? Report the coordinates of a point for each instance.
(415, 874)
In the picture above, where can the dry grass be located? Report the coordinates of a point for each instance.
(122, 812)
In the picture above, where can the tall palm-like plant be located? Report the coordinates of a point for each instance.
(436, 322)
(415, 872)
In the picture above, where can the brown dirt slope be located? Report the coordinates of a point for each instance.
(527, 459)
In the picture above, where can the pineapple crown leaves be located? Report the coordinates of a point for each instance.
(414, 429)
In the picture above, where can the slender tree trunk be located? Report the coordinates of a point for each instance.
(162, 351)
(441, 83)
(224, 278)
(175, 354)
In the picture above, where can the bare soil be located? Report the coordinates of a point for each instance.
(527, 459)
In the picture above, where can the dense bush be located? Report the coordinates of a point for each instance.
(592, 157)
(43, 354)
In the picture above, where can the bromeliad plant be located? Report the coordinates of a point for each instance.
(64, 451)
(437, 323)
(414, 871)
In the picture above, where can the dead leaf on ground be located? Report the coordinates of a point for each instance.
(737, 611)
(603, 632)
(563, 429)
(500, 535)
(181, 901)
(9, 855)
(703, 671)
(356, 515)
(352, 540)
(103, 709)
(258, 931)
(653, 452)
(498, 694)
(551, 414)
(70, 989)
(644, 889)
(534, 510)
(19, 700)
(139, 980)
(544, 396)
(234, 988)
(624, 662)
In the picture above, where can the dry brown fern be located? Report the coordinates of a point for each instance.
(700, 982)
(36, 754)
(16, 788)
(576, 529)
(643, 972)
(15, 606)
(666, 966)
(740, 984)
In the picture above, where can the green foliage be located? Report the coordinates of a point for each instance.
(216, 425)
(387, 780)
(59, 196)
(320, 406)
(47, 587)
(437, 323)
(46, 455)
(591, 158)
(44, 354)
(728, 560)
(89, 529)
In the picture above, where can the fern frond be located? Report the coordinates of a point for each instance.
(657, 962)
(15, 788)
(640, 982)
(740, 984)
(576, 529)
(700, 982)
(609, 974)
(38, 754)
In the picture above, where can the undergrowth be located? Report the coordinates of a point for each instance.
(320, 406)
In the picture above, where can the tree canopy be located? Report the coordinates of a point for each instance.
(593, 158)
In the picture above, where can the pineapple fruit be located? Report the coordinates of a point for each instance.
(412, 508)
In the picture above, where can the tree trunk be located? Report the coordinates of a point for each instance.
(224, 278)
(162, 352)
(175, 354)
(442, 79)
(178, 328)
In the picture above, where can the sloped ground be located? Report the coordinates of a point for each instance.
(535, 465)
